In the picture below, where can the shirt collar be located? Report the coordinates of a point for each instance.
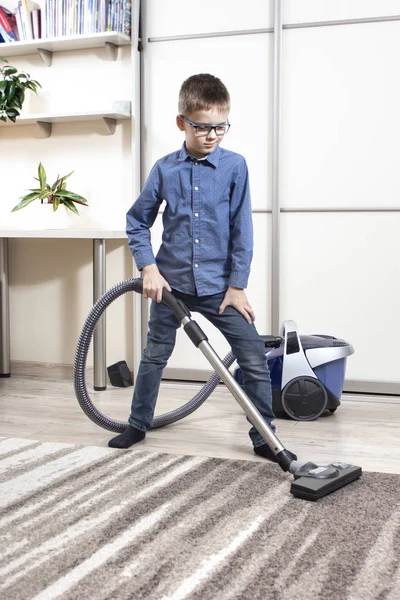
(212, 158)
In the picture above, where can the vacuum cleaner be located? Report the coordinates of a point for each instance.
(311, 481)
(307, 372)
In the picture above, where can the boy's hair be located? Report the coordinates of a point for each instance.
(201, 92)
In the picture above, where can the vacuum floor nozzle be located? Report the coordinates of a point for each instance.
(312, 482)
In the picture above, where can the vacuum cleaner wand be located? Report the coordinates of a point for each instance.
(311, 481)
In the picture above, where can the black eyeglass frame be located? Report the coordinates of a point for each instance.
(210, 127)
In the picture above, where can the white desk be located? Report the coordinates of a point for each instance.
(99, 282)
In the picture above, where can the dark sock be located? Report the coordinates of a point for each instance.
(130, 436)
(265, 451)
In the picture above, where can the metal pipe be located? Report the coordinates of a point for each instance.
(5, 365)
(340, 210)
(332, 23)
(213, 34)
(241, 398)
(275, 234)
(139, 12)
(142, 303)
(99, 338)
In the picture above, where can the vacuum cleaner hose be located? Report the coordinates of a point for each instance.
(81, 354)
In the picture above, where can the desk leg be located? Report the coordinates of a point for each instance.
(99, 338)
(5, 365)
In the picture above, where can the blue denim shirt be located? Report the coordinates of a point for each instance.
(207, 241)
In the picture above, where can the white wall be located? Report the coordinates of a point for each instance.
(238, 60)
(340, 132)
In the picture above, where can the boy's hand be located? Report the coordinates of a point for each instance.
(237, 298)
(153, 283)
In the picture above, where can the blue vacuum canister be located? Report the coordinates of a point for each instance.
(307, 372)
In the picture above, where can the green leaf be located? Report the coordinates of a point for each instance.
(12, 113)
(11, 90)
(25, 201)
(9, 70)
(3, 85)
(54, 186)
(61, 181)
(31, 86)
(45, 194)
(17, 102)
(3, 59)
(70, 205)
(56, 203)
(42, 175)
(72, 196)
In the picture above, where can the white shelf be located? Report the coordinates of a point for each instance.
(119, 111)
(63, 233)
(46, 46)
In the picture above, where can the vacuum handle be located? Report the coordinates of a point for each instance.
(179, 309)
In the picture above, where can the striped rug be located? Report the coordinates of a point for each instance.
(95, 523)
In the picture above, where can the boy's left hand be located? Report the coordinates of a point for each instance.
(237, 298)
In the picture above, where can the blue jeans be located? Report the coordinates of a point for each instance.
(243, 338)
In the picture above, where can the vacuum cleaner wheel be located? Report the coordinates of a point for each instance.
(304, 399)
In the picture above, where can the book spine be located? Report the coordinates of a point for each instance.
(36, 23)
(26, 19)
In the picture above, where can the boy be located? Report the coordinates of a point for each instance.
(205, 255)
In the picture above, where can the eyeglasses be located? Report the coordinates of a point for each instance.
(202, 130)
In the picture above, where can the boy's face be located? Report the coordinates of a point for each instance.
(202, 146)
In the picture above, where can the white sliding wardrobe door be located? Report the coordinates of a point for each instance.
(243, 63)
(339, 150)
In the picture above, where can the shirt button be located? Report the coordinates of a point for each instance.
(197, 241)
(196, 265)
(196, 163)
(196, 214)
(196, 188)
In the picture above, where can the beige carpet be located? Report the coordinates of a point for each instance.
(94, 523)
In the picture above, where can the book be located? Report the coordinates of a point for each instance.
(26, 20)
(8, 26)
(36, 23)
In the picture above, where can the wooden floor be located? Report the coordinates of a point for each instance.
(38, 403)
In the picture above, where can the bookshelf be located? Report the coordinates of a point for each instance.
(119, 111)
(46, 46)
(111, 161)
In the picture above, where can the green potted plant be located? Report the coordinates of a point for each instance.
(55, 194)
(13, 86)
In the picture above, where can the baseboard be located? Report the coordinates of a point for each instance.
(25, 368)
(391, 388)
(383, 388)
(36, 369)
(187, 374)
